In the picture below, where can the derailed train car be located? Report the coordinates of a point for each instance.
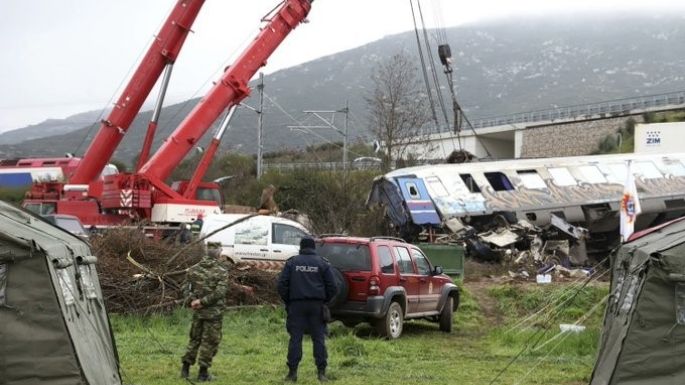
(585, 191)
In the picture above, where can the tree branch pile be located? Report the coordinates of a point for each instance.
(136, 276)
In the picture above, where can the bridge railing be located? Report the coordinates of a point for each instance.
(322, 166)
(585, 111)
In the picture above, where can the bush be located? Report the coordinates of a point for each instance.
(12, 195)
(334, 201)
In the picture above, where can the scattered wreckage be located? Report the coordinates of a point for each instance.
(554, 212)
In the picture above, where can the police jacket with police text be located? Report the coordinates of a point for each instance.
(306, 276)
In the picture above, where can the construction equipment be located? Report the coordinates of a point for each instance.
(144, 194)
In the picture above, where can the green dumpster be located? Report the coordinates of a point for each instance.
(449, 256)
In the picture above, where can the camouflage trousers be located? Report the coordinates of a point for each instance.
(205, 335)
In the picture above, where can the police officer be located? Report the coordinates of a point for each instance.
(306, 284)
(205, 293)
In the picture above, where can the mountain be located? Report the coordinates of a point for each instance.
(49, 127)
(500, 68)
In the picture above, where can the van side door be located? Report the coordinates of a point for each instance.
(251, 240)
(285, 241)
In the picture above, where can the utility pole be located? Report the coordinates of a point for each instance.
(346, 111)
(260, 121)
(329, 123)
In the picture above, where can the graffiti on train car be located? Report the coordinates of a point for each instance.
(585, 191)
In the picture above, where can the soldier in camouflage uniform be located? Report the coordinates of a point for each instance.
(205, 293)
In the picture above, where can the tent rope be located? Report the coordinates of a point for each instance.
(539, 334)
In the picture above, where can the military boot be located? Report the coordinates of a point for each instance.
(321, 375)
(185, 370)
(292, 375)
(204, 375)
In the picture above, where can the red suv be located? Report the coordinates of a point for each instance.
(385, 281)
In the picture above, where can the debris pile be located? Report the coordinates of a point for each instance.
(136, 276)
(529, 250)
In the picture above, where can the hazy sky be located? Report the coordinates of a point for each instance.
(61, 57)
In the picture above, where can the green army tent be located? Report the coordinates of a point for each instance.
(643, 339)
(54, 327)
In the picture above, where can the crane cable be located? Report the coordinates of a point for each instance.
(423, 68)
(434, 74)
(426, 79)
(459, 114)
(439, 21)
(458, 144)
(442, 39)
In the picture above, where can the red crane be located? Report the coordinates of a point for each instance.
(144, 194)
(164, 50)
(80, 195)
(228, 91)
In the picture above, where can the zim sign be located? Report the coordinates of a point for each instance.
(659, 138)
(653, 138)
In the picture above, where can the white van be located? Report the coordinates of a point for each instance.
(260, 238)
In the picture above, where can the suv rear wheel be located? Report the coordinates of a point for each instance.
(446, 315)
(390, 326)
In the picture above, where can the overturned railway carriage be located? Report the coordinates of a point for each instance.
(583, 190)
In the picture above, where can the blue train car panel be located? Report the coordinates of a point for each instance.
(418, 201)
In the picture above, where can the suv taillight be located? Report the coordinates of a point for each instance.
(374, 289)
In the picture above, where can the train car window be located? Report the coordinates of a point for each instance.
(531, 179)
(413, 190)
(591, 174)
(470, 183)
(614, 172)
(674, 167)
(498, 181)
(646, 170)
(562, 176)
(436, 187)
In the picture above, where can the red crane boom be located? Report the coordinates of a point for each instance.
(164, 50)
(144, 194)
(229, 91)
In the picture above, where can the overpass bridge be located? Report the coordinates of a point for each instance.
(560, 131)
(603, 109)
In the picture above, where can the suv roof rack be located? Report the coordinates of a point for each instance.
(388, 238)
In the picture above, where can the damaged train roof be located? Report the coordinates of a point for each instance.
(584, 190)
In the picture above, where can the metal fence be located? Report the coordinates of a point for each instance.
(322, 166)
(586, 111)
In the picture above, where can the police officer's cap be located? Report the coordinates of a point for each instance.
(307, 243)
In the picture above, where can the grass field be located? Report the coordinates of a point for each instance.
(485, 340)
